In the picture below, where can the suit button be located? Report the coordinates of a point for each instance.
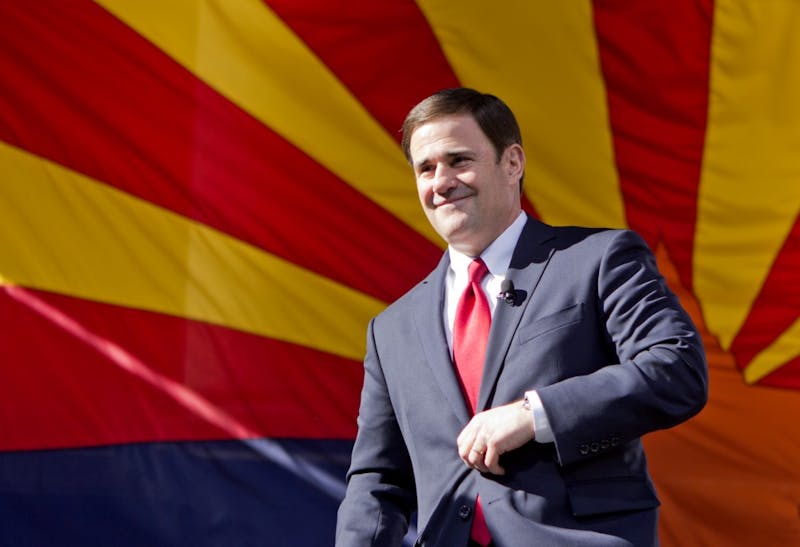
(464, 512)
(584, 449)
(595, 447)
(614, 441)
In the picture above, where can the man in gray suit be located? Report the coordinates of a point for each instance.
(505, 396)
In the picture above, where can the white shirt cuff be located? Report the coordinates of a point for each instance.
(541, 425)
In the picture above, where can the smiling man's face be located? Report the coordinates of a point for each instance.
(469, 196)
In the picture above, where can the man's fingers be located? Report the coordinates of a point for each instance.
(491, 433)
(477, 451)
(466, 442)
(475, 454)
(492, 461)
(472, 447)
(476, 459)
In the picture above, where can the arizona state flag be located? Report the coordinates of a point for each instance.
(203, 202)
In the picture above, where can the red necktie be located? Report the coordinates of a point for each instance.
(470, 335)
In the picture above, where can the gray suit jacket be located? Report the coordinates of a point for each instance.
(595, 330)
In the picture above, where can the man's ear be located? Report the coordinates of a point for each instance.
(514, 161)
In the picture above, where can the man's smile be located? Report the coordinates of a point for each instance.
(441, 201)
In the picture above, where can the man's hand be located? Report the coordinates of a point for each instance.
(494, 432)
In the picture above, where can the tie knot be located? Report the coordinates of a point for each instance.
(477, 270)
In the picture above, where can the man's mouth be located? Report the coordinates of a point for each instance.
(452, 200)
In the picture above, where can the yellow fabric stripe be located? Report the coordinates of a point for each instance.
(552, 83)
(750, 183)
(780, 352)
(245, 52)
(65, 233)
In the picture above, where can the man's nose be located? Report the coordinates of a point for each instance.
(444, 178)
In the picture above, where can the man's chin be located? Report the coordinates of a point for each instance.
(454, 232)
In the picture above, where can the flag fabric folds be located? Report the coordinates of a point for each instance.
(203, 203)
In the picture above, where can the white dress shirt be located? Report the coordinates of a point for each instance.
(497, 258)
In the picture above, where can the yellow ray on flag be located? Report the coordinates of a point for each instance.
(750, 183)
(65, 233)
(249, 55)
(552, 84)
(780, 352)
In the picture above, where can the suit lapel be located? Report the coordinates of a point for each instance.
(530, 258)
(430, 325)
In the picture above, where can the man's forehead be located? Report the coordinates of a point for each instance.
(449, 135)
(463, 121)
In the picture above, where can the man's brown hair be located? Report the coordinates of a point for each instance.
(492, 115)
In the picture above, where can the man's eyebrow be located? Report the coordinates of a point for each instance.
(449, 155)
(420, 163)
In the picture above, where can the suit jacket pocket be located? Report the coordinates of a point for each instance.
(549, 323)
(611, 495)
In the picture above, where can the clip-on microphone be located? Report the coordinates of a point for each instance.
(507, 292)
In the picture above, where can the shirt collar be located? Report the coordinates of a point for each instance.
(497, 256)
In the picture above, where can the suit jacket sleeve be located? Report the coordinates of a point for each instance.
(660, 378)
(380, 493)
